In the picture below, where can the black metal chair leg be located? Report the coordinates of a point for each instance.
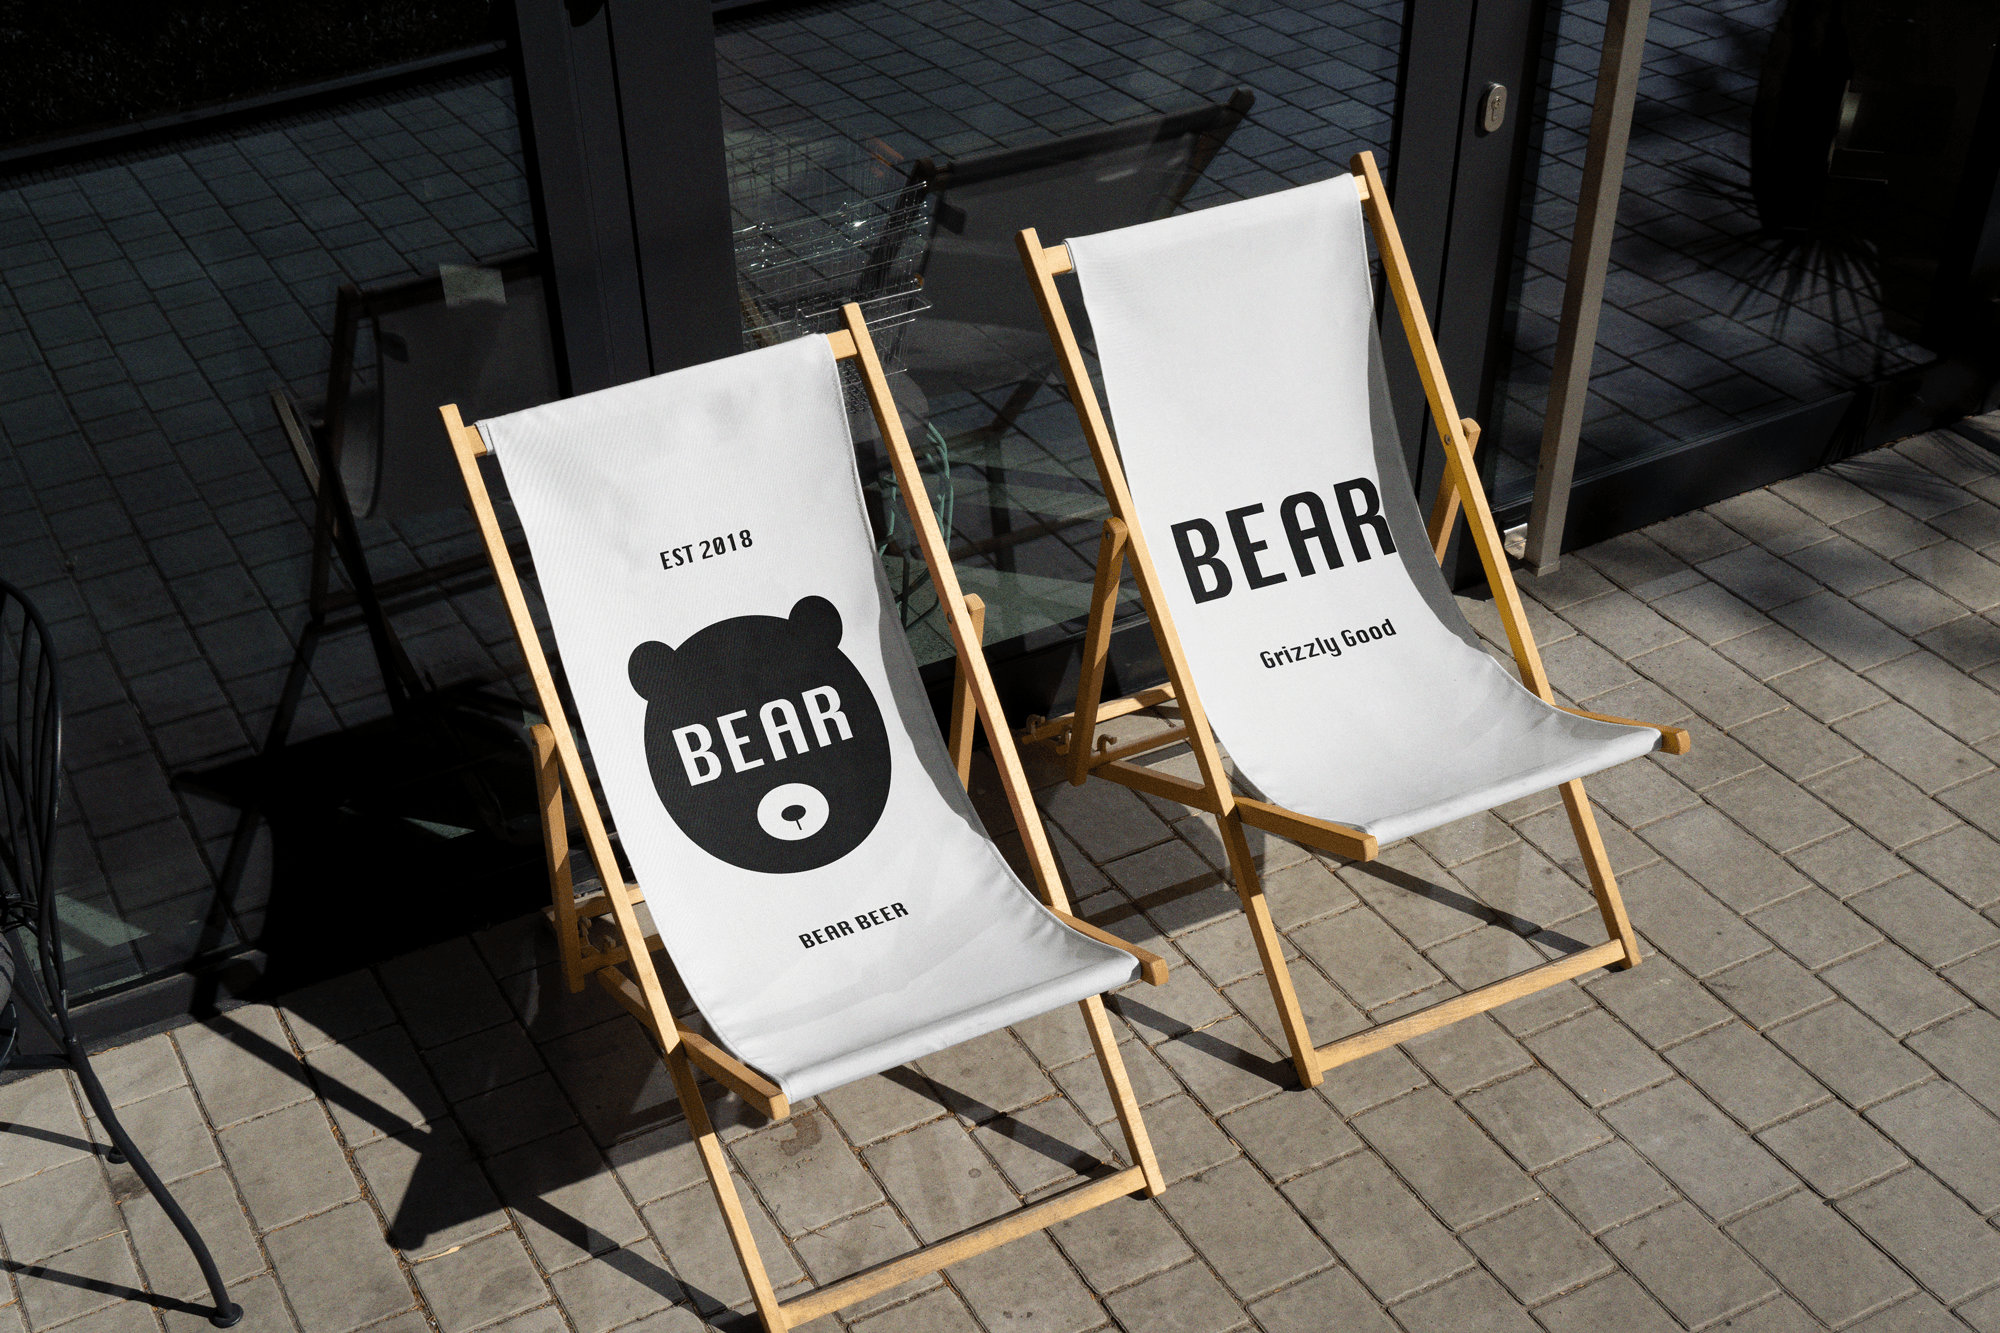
(275, 736)
(227, 1312)
(30, 804)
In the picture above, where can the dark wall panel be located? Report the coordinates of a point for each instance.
(622, 120)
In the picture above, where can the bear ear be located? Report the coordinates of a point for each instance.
(818, 619)
(648, 668)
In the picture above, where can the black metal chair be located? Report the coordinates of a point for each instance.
(30, 793)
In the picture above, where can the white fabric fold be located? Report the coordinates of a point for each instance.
(1241, 368)
(756, 720)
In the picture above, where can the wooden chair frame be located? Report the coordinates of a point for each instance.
(1074, 735)
(597, 934)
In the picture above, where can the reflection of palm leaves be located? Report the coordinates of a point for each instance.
(1833, 270)
(1830, 271)
(1833, 256)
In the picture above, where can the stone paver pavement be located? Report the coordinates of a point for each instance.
(1785, 1119)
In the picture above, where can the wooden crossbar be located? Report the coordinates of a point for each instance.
(1460, 495)
(601, 936)
(1056, 727)
(860, 1286)
(1446, 1012)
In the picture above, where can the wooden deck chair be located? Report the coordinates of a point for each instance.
(811, 861)
(1302, 591)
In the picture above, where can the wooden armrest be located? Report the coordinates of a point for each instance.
(1674, 740)
(733, 1074)
(1324, 834)
(1152, 967)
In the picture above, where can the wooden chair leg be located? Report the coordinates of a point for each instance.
(555, 844)
(1138, 1144)
(1096, 649)
(1597, 862)
(1620, 951)
(964, 714)
(734, 1219)
(1444, 510)
(1270, 950)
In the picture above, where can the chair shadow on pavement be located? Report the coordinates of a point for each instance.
(448, 1197)
(35, 1272)
(1082, 1161)
(450, 1191)
(1473, 908)
(1205, 900)
(355, 846)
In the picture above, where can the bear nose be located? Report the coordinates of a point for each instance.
(792, 812)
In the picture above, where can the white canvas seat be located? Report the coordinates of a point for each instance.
(759, 444)
(809, 858)
(1394, 736)
(1258, 484)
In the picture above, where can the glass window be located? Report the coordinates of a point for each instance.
(1790, 183)
(921, 138)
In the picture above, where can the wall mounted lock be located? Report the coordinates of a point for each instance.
(1493, 108)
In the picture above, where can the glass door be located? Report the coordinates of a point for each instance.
(889, 151)
(1787, 281)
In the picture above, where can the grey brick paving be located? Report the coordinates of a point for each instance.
(1835, 1273)
(1941, 1241)
(1538, 1252)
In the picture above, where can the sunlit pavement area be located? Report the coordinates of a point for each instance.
(1784, 1119)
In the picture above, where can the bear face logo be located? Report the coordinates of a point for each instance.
(764, 742)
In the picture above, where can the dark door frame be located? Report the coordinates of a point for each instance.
(1964, 380)
(1456, 188)
(621, 123)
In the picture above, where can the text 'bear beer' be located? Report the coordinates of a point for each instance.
(765, 744)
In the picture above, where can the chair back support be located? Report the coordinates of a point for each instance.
(1239, 354)
(759, 727)
(30, 776)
